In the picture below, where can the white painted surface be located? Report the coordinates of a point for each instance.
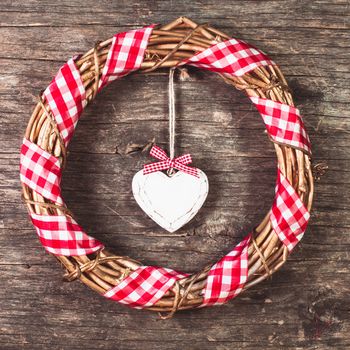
(170, 201)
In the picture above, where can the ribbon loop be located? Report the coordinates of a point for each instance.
(179, 163)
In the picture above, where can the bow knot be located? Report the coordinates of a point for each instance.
(171, 163)
(179, 163)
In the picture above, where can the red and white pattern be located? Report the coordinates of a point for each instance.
(227, 277)
(165, 163)
(61, 235)
(125, 55)
(283, 123)
(233, 57)
(40, 171)
(66, 99)
(236, 57)
(144, 286)
(289, 217)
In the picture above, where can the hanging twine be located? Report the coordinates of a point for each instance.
(172, 111)
(171, 107)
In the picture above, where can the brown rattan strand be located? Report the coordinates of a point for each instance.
(168, 46)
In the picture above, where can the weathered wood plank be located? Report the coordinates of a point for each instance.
(306, 305)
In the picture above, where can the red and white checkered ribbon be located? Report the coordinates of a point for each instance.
(144, 286)
(289, 216)
(125, 55)
(165, 163)
(236, 57)
(61, 235)
(233, 57)
(40, 171)
(283, 123)
(228, 276)
(66, 98)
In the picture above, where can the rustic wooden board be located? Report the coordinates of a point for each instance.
(306, 305)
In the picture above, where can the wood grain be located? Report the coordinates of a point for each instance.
(306, 305)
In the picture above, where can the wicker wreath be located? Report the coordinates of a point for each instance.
(168, 46)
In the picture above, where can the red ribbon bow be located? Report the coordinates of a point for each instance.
(178, 163)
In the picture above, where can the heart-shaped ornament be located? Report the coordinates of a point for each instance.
(171, 201)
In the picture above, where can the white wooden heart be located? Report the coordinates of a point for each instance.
(170, 201)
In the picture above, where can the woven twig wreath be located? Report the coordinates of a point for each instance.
(43, 156)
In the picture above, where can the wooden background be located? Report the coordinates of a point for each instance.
(306, 305)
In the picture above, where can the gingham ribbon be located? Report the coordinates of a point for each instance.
(144, 286)
(61, 235)
(233, 57)
(227, 277)
(165, 163)
(125, 55)
(66, 98)
(289, 216)
(283, 123)
(40, 171)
